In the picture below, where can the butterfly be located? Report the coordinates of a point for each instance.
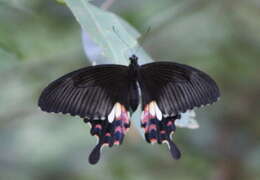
(105, 96)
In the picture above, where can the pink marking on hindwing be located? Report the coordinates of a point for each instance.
(116, 142)
(153, 140)
(150, 127)
(163, 132)
(124, 117)
(169, 123)
(118, 129)
(107, 134)
(145, 118)
(98, 126)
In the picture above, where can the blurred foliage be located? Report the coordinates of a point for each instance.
(41, 40)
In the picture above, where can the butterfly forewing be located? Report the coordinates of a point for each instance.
(88, 92)
(175, 87)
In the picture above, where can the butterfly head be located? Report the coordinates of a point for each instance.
(133, 59)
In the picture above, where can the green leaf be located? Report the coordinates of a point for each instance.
(116, 46)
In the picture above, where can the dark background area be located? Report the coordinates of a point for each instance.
(41, 40)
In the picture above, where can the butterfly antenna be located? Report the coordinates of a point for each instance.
(143, 38)
(119, 37)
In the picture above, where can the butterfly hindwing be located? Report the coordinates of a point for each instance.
(169, 89)
(110, 131)
(158, 128)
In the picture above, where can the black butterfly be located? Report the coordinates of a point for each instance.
(106, 95)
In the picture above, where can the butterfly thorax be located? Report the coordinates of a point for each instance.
(133, 67)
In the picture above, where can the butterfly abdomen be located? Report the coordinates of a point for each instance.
(133, 74)
(133, 96)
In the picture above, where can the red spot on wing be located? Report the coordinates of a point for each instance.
(150, 127)
(145, 118)
(117, 142)
(162, 131)
(98, 126)
(118, 129)
(153, 140)
(107, 134)
(169, 123)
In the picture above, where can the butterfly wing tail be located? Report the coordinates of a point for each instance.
(94, 156)
(175, 152)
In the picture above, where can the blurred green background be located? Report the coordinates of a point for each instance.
(41, 40)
